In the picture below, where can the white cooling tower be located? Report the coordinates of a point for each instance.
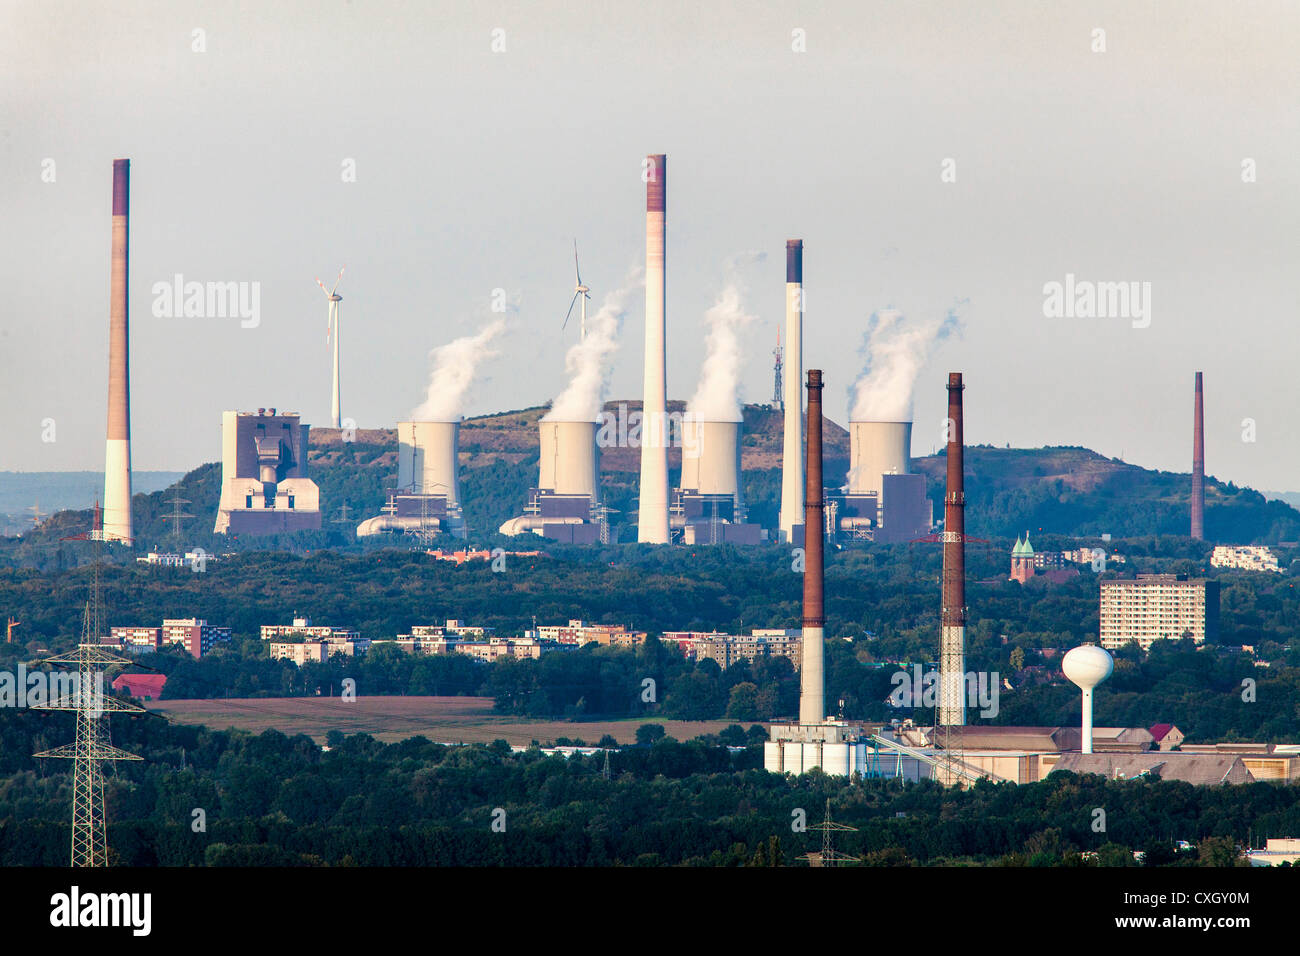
(792, 460)
(875, 449)
(570, 460)
(426, 459)
(715, 468)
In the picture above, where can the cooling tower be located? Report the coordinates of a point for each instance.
(876, 449)
(1198, 463)
(717, 464)
(812, 693)
(570, 460)
(652, 525)
(117, 460)
(792, 463)
(426, 459)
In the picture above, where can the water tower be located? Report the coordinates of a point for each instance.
(1087, 666)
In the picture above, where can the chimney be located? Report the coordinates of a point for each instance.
(952, 638)
(117, 459)
(652, 524)
(1198, 463)
(792, 463)
(812, 696)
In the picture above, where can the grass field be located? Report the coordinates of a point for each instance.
(442, 719)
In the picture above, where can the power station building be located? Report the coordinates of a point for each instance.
(565, 506)
(427, 497)
(708, 507)
(264, 483)
(883, 501)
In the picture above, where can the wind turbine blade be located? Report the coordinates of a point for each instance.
(337, 281)
(322, 286)
(570, 312)
(576, 271)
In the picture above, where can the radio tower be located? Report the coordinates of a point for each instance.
(87, 699)
(778, 353)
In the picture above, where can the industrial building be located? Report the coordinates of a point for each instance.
(264, 483)
(426, 500)
(565, 506)
(1158, 607)
(883, 500)
(708, 506)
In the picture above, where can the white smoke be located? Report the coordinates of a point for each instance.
(897, 348)
(588, 361)
(717, 397)
(454, 365)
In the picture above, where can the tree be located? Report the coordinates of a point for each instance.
(743, 703)
(647, 734)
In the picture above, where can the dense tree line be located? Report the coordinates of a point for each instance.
(275, 800)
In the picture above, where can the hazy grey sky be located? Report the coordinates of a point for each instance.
(475, 170)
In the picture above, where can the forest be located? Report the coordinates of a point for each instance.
(214, 798)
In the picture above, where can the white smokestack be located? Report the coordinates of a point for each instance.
(897, 349)
(427, 459)
(116, 523)
(587, 362)
(792, 462)
(653, 507)
(454, 365)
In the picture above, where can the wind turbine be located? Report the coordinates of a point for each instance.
(333, 326)
(579, 291)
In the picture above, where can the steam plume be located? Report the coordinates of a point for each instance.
(897, 348)
(717, 397)
(587, 362)
(454, 365)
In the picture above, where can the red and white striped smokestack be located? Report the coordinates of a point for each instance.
(812, 693)
(952, 621)
(792, 463)
(1198, 463)
(117, 463)
(652, 525)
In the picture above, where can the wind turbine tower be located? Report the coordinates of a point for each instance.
(332, 328)
(580, 292)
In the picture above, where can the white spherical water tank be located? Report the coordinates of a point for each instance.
(1087, 666)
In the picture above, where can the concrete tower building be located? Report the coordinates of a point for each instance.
(117, 460)
(264, 483)
(652, 526)
(792, 464)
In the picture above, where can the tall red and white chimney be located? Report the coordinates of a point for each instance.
(117, 462)
(652, 524)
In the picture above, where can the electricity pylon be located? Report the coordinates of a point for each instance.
(829, 856)
(91, 749)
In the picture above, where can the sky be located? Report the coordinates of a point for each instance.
(475, 169)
